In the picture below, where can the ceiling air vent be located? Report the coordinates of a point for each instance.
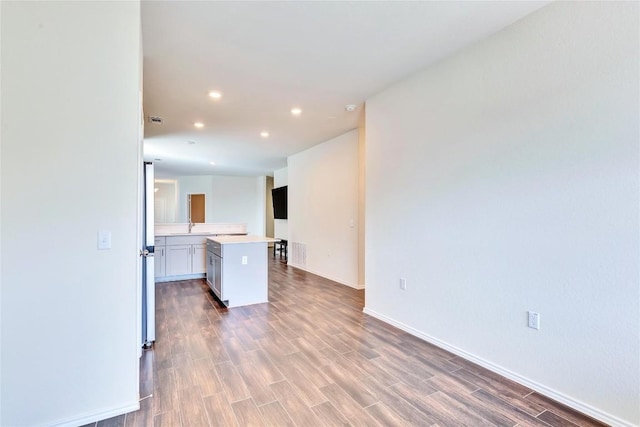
(155, 119)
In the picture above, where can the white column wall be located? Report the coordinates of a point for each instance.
(260, 214)
(70, 161)
(323, 208)
(269, 227)
(281, 226)
(505, 179)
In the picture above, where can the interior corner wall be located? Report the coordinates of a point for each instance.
(70, 161)
(0, 220)
(281, 226)
(260, 211)
(269, 221)
(505, 179)
(362, 140)
(323, 209)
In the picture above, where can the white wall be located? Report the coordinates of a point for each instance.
(198, 184)
(505, 179)
(70, 162)
(261, 211)
(239, 199)
(166, 206)
(228, 199)
(323, 208)
(361, 198)
(0, 223)
(281, 226)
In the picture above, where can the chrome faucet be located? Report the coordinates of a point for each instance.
(191, 224)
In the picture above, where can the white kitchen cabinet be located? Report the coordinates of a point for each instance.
(159, 257)
(184, 257)
(159, 261)
(178, 260)
(199, 258)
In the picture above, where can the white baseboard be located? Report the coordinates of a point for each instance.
(97, 416)
(540, 388)
(183, 277)
(351, 285)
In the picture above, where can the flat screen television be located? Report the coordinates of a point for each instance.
(279, 196)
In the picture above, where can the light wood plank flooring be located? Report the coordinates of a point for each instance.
(310, 357)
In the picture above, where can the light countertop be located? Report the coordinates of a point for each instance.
(225, 240)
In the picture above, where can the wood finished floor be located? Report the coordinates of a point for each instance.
(310, 357)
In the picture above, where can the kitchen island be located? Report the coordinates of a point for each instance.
(237, 269)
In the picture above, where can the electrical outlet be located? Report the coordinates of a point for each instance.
(403, 284)
(245, 260)
(533, 319)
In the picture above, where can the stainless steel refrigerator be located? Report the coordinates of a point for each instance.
(147, 252)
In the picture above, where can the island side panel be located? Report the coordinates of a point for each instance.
(245, 284)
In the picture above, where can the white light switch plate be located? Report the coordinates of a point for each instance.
(244, 260)
(104, 240)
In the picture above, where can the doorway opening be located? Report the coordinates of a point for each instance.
(196, 208)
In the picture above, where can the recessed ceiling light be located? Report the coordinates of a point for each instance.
(191, 142)
(155, 190)
(296, 111)
(350, 107)
(212, 163)
(264, 134)
(215, 94)
(199, 125)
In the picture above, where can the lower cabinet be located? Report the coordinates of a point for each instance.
(159, 261)
(199, 258)
(159, 257)
(217, 275)
(214, 268)
(181, 256)
(178, 260)
(186, 259)
(210, 268)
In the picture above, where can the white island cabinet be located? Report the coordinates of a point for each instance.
(237, 269)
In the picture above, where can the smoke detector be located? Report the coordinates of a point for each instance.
(350, 107)
(155, 119)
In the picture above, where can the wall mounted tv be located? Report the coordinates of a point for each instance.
(279, 196)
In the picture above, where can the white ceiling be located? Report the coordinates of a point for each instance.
(267, 57)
